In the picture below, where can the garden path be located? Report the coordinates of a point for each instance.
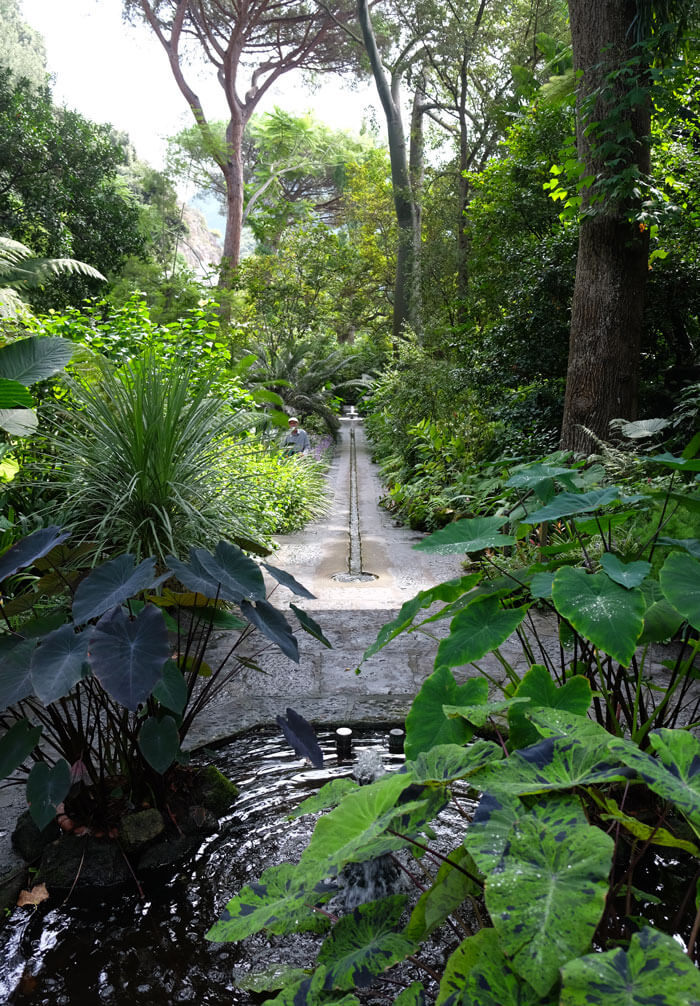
(332, 558)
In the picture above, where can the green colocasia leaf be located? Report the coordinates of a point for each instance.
(690, 545)
(480, 715)
(309, 991)
(34, 359)
(171, 690)
(627, 574)
(654, 970)
(127, 655)
(357, 829)
(455, 881)
(448, 591)
(279, 902)
(541, 585)
(327, 797)
(426, 723)
(414, 995)
(58, 664)
(572, 504)
(159, 742)
(365, 943)
(16, 745)
(680, 582)
(47, 786)
(551, 765)
(479, 974)
(646, 832)
(446, 762)
(547, 892)
(112, 583)
(610, 616)
(470, 535)
(661, 619)
(537, 686)
(676, 464)
(481, 627)
(541, 479)
(674, 774)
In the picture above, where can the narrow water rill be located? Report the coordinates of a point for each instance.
(355, 573)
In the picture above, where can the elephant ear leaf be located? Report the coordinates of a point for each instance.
(364, 943)
(28, 550)
(479, 973)
(159, 741)
(546, 891)
(278, 902)
(16, 745)
(427, 725)
(47, 786)
(301, 736)
(127, 655)
(112, 583)
(653, 970)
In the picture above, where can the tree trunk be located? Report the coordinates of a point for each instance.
(232, 170)
(416, 161)
(608, 301)
(400, 174)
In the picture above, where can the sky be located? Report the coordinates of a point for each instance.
(112, 72)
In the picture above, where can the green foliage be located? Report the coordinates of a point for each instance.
(546, 899)
(20, 271)
(67, 200)
(93, 693)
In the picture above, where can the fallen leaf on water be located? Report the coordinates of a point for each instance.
(32, 897)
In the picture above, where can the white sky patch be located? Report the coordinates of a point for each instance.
(112, 72)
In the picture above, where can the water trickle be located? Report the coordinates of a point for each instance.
(355, 572)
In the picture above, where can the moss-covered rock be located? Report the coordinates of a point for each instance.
(140, 828)
(216, 792)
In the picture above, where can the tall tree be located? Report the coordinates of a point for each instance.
(22, 48)
(262, 38)
(614, 47)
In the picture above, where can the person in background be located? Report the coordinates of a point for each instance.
(297, 440)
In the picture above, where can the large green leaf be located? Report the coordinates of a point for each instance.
(661, 619)
(426, 723)
(455, 881)
(229, 574)
(481, 714)
(16, 673)
(19, 422)
(680, 582)
(279, 902)
(309, 991)
(448, 591)
(479, 974)
(610, 616)
(16, 745)
(272, 624)
(127, 655)
(34, 359)
(553, 764)
(675, 771)
(365, 943)
(58, 664)
(357, 829)
(488, 834)
(537, 685)
(547, 893)
(446, 762)
(570, 504)
(28, 550)
(14, 395)
(414, 995)
(654, 971)
(627, 574)
(47, 786)
(690, 545)
(328, 796)
(481, 627)
(159, 741)
(470, 535)
(541, 477)
(112, 583)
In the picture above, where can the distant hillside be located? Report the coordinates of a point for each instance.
(200, 247)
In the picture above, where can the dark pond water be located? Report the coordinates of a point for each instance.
(121, 950)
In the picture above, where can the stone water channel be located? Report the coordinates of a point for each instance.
(118, 949)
